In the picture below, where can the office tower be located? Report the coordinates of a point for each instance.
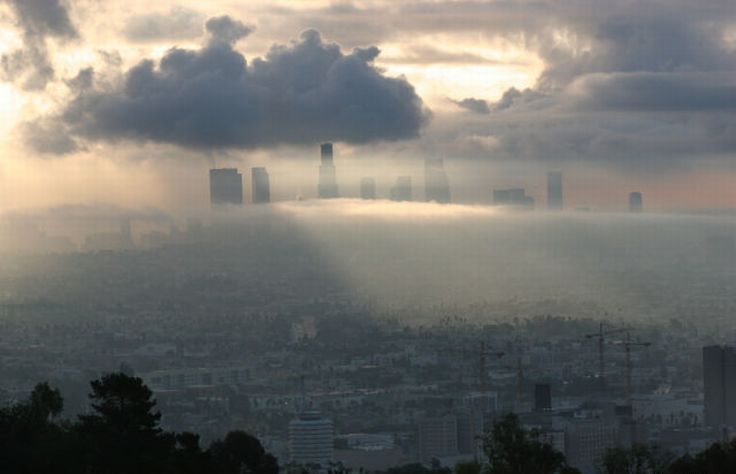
(401, 191)
(719, 383)
(368, 188)
(327, 180)
(554, 190)
(542, 397)
(311, 439)
(436, 185)
(261, 187)
(226, 186)
(512, 197)
(635, 202)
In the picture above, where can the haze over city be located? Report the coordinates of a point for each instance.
(368, 236)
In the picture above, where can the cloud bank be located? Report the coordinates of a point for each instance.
(211, 98)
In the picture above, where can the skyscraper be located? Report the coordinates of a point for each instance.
(436, 184)
(401, 191)
(261, 186)
(226, 186)
(513, 197)
(368, 188)
(719, 383)
(554, 191)
(635, 202)
(311, 439)
(327, 180)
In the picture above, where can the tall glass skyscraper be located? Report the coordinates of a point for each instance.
(327, 179)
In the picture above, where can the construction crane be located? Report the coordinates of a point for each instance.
(628, 344)
(601, 336)
(483, 354)
(519, 367)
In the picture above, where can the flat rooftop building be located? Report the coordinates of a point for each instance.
(226, 186)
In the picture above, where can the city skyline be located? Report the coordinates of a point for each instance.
(368, 236)
(497, 109)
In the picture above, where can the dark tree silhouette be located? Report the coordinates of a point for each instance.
(123, 434)
(241, 453)
(513, 450)
(639, 459)
(718, 458)
(29, 441)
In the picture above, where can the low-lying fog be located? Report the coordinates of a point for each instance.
(389, 254)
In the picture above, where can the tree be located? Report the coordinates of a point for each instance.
(123, 433)
(513, 450)
(717, 459)
(30, 440)
(639, 459)
(241, 453)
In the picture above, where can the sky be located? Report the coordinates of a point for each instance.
(128, 103)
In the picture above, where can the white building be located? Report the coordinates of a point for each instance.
(311, 440)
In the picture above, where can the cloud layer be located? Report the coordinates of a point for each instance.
(211, 98)
(30, 66)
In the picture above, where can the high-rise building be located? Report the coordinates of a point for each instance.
(512, 197)
(327, 179)
(542, 397)
(436, 184)
(226, 186)
(311, 440)
(635, 202)
(554, 191)
(261, 186)
(401, 191)
(368, 188)
(719, 383)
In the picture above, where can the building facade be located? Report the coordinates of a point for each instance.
(436, 184)
(261, 187)
(327, 188)
(226, 186)
(719, 385)
(311, 440)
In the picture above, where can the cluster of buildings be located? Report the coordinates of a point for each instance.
(226, 186)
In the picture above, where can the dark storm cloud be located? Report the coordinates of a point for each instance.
(514, 96)
(306, 92)
(225, 29)
(474, 105)
(622, 82)
(636, 85)
(178, 23)
(656, 92)
(30, 66)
